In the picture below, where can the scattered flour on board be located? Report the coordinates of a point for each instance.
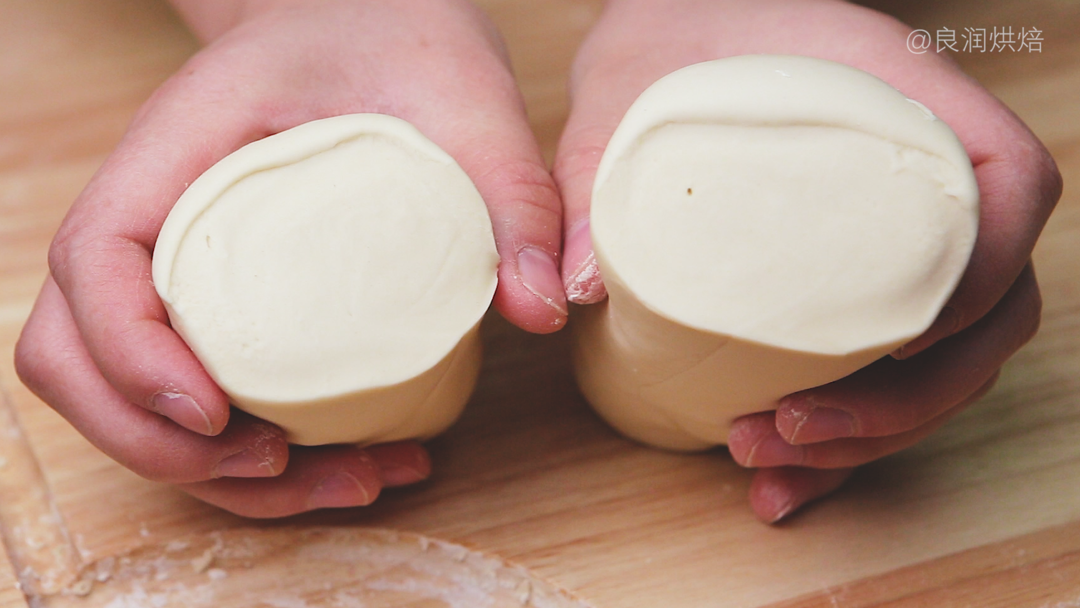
(284, 601)
(455, 597)
(175, 595)
(139, 598)
(203, 562)
(344, 600)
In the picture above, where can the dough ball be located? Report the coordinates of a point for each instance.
(764, 224)
(331, 278)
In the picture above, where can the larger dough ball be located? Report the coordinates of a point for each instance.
(764, 224)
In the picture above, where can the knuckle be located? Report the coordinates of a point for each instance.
(1022, 308)
(1033, 314)
(73, 250)
(1038, 174)
(61, 252)
(522, 186)
(41, 359)
(576, 167)
(30, 359)
(1038, 179)
(1051, 184)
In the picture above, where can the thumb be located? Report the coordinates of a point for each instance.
(600, 98)
(483, 126)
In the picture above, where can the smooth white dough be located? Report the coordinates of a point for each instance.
(764, 224)
(331, 278)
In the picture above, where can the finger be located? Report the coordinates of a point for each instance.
(480, 120)
(609, 73)
(580, 149)
(603, 85)
(776, 493)
(317, 478)
(324, 477)
(401, 463)
(53, 362)
(891, 396)
(598, 104)
(101, 256)
(754, 442)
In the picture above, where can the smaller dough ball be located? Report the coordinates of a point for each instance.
(331, 278)
(764, 224)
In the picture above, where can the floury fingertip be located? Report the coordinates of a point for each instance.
(586, 286)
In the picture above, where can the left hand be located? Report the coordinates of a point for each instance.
(98, 346)
(808, 447)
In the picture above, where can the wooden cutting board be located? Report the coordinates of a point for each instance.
(534, 501)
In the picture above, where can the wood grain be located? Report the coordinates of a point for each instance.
(984, 513)
(1032, 570)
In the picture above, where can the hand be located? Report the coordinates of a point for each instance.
(808, 446)
(98, 347)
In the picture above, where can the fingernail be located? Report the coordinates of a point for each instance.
(946, 324)
(338, 490)
(540, 275)
(773, 451)
(397, 473)
(183, 410)
(583, 285)
(773, 501)
(814, 424)
(786, 509)
(244, 464)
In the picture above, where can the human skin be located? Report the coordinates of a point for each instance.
(808, 447)
(97, 346)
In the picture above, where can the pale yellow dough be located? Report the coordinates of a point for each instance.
(764, 224)
(331, 279)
